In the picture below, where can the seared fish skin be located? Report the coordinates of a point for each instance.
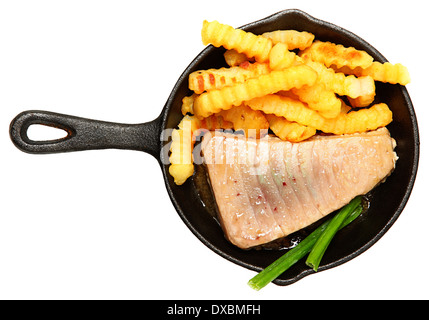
(268, 188)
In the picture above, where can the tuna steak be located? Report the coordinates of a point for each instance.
(268, 188)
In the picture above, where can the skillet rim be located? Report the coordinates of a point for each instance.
(208, 50)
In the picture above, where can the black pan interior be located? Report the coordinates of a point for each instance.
(195, 205)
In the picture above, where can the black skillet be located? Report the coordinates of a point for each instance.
(193, 200)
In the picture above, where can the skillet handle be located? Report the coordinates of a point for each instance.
(85, 134)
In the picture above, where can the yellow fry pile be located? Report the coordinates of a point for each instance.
(284, 81)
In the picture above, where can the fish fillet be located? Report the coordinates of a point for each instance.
(268, 188)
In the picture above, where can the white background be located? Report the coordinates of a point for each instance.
(99, 224)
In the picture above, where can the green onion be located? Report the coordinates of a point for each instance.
(356, 213)
(297, 253)
(325, 238)
(287, 260)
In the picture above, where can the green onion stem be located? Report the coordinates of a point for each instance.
(322, 243)
(299, 251)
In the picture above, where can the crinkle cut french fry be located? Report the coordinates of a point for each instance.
(182, 144)
(340, 83)
(181, 167)
(204, 80)
(292, 38)
(335, 54)
(280, 57)
(181, 172)
(233, 58)
(345, 108)
(246, 119)
(212, 123)
(383, 72)
(222, 35)
(378, 115)
(319, 99)
(289, 131)
(363, 120)
(223, 99)
(287, 107)
(362, 101)
(188, 104)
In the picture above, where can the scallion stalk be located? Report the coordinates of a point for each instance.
(322, 243)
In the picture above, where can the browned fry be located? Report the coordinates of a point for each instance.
(252, 122)
(319, 99)
(223, 99)
(204, 80)
(212, 122)
(335, 54)
(345, 108)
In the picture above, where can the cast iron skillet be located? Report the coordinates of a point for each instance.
(193, 200)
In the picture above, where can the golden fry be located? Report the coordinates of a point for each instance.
(363, 120)
(181, 167)
(181, 172)
(292, 38)
(289, 131)
(204, 80)
(222, 35)
(233, 58)
(340, 83)
(188, 104)
(287, 107)
(319, 99)
(223, 99)
(335, 54)
(384, 72)
(211, 123)
(182, 144)
(246, 119)
(280, 57)
(362, 101)
(345, 108)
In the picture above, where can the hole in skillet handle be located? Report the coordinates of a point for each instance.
(39, 132)
(384, 210)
